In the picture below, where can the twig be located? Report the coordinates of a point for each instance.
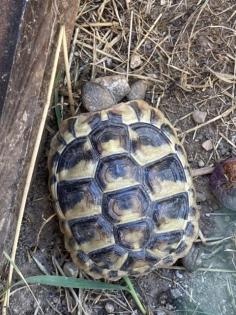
(129, 45)
(227, 140)
(99, 51)
(202, 171)
(148, 32)
(99, 24)
(41, 228)
(31, 169)
(67, 68)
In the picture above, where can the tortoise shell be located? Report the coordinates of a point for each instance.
(122, 190)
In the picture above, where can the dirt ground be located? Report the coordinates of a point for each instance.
(186, 51)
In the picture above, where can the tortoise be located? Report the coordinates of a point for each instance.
(123, 191)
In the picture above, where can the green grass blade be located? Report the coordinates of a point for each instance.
(134, 294)
(76, 283)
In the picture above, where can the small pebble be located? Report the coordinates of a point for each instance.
(207, 145)
(109, 307)
(178, 274)
(135, 61)
(201, 163)
(137, 90)
(201, 197)
(199, 117)
(176, 293)
(70, 269)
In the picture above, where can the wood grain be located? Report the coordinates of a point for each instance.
(24, 101)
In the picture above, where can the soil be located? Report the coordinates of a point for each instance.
(182, 72)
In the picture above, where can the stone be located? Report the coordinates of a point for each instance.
(201, 196)
(207, 145)
(70, 269)
(199, 117)
(109, 307)
(137, 90)
(117, 85)
(176, 293)
(201, 163)
(135, 61)
(178, 274)
(95, 97)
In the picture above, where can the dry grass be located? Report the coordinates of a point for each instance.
(180, 46)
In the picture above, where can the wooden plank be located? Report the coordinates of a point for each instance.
(11, 11)
(24, 101)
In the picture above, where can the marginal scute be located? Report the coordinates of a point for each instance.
(123, 191)
(139, 262)
(78, 160)
(92, 233)
(111, 257)
(79, 198)
(163, 241)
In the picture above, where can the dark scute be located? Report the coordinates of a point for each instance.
(53, 179)
(95, 269)
(73, 153)
(136, 108)
(192, 191)
(179, 148)
(71, 126)
(175, 207)
(167, 129)
(106, 256)
(148, 135)
(168, 260)
(72, 192)
(87, 229)
(154, 117)
(169, 168)
(82, 257)
(189, 231)
(56, 158)
(71, 242)
(123, 230)
(192, 211)
(114, 117)
(94, 120)
(113, 274)
(167, 238)
(135, 256)
(61, 140)
(181, 247)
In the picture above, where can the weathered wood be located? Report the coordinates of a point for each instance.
(22, 108)
(10, 16)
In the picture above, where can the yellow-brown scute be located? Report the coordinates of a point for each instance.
(122, 189)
